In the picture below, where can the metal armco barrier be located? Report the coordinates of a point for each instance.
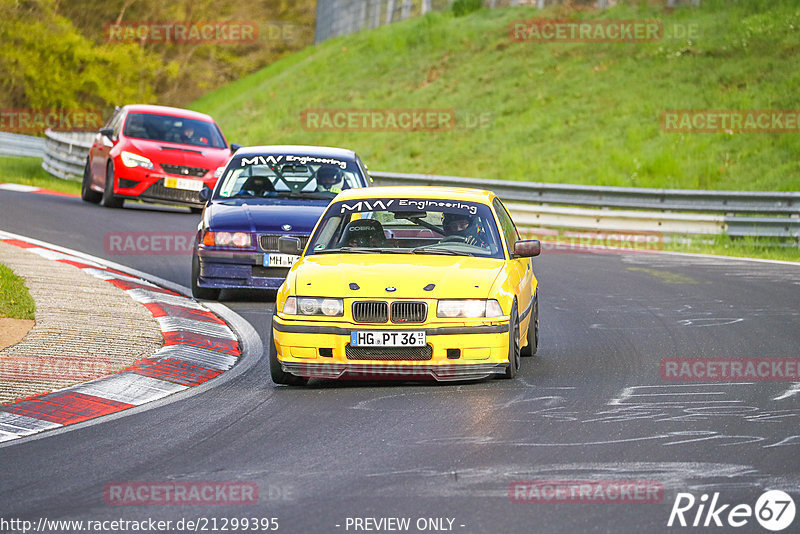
(586, 207)
(635, 209)
(21, 145)
(65, 153)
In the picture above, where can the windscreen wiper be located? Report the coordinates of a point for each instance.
(443, 251)
(345, 249)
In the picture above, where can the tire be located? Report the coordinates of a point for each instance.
(109, 200)
(279, 376)
(195, 209)
(87, 195)
(533, 329)
(204, 293)
(513, 344)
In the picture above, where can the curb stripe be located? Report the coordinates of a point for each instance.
(228, 346)
(198, 346)
(162, 310)
(65, 407)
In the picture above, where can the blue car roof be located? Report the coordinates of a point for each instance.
(298, 150)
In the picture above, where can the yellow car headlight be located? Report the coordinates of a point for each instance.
(468, 308)
(327, 307)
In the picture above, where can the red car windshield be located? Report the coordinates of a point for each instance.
(170, 129)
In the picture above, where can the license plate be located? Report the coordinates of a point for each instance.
(183, 183)
(387, 338)
(279, 260)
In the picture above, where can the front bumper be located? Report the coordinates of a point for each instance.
(321, 349)
(238, 270)
(148, 185)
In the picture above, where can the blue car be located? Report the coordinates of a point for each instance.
(265, 193)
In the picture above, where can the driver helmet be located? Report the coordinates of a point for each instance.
(330, 178)
(457, 224)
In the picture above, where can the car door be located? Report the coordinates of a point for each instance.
(522, 268)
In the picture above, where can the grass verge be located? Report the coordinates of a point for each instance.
(28, 171)
(15, 301)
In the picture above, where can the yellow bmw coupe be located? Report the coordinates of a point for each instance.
(407, 283)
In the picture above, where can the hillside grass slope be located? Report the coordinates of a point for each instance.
(581, 113)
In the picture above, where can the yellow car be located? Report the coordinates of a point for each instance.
(408, 283)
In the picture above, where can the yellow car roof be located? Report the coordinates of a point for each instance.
(444, 193)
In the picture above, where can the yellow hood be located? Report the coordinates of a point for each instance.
(330, 275)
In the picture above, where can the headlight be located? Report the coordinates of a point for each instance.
(129, 159)
(219, 171)
(227, 239)
(313, 306)
(468, 308)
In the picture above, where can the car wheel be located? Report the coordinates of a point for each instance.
(87, 195)
(533, 329)
(513, 344)
(205, 293)
(279, 376)
(109, 200)
(195, 209)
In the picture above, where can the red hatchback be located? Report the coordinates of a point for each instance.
(154, 154)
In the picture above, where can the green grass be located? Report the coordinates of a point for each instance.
(29, 171)
(15, 301)
(568, 113)
(723, 245)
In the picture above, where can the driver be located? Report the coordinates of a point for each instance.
(463, 226)
(329, 179)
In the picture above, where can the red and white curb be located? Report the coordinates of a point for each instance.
(20, 188)
(198, 346)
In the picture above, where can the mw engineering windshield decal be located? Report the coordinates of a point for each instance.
(290, 158)
(392, 204)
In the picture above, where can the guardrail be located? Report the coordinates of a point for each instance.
(585, 207)
(65, 153)
(21, 145)
(636, 209)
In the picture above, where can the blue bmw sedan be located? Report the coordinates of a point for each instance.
(266, 192)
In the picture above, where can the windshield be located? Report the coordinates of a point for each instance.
(173, 130)
(288, 175)
(407, 226)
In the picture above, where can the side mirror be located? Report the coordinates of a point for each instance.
(107, 132)
(289, 245)
(204, 193)
(235, 147)
(527, 248)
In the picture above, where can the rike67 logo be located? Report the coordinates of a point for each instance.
(774, 510)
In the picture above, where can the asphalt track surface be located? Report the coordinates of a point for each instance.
(590, 406)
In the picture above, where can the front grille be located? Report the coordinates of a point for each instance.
(409, 312)
(270, 241)
(370, 311)
(182, 170)
(159, 192)
(389, 353)
(270, 272)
